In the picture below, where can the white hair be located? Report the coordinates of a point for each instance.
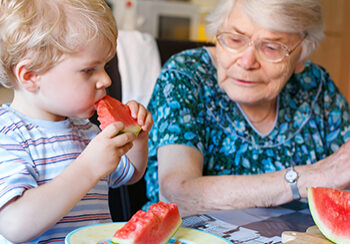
(290, 16)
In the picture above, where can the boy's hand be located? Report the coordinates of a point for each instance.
(103, 153)
(143, 116)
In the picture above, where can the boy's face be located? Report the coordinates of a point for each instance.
(72, 87)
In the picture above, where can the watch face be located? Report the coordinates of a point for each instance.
(291, 175)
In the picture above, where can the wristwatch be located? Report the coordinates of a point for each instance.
(291, 176)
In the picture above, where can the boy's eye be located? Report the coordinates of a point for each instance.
(88, 70)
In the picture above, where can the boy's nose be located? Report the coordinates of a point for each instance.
(104, 81)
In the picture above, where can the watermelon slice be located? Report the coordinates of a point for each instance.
(330, 210)
(156, 226)
(110, 110)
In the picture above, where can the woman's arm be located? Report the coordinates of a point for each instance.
(181, 181)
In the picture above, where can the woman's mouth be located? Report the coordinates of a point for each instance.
(244, 82)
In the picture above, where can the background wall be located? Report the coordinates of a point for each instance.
(334, 51)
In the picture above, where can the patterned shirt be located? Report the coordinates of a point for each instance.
(189, 108)
(33, 152)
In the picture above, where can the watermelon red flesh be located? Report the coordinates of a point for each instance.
(138, 228)
(330, 210)
(170, 219)
(156, 226)
(110, 110)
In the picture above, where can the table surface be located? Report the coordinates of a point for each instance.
(254, 225)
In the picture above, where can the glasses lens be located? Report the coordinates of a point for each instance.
(271, 51)
(233, 42)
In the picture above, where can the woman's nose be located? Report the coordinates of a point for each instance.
(248, 59)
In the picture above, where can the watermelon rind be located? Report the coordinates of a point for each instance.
(325, 230)
(133, 129)
(118, 241)
(175, 230)
(171, 234)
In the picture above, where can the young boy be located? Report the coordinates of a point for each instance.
(55, 166)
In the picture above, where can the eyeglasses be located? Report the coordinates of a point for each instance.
(269, 51)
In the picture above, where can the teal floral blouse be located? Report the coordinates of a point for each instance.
(189, 108)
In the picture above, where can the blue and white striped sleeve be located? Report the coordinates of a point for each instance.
(122, 174)
(17, 173)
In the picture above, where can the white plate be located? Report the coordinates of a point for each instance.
(102, 233)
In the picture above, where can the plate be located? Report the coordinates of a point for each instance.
(102, 233)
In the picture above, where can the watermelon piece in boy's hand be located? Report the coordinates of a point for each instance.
(156, 226)
(110, 110)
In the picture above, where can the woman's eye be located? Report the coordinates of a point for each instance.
(272, 46)
(237, 40)
(234, 42)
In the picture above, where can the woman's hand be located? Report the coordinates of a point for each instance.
(336, 168)
(332, 171)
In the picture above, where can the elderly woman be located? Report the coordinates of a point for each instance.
(250, 122)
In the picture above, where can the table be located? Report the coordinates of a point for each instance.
(254, 225)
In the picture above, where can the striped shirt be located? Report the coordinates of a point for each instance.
(33, 152)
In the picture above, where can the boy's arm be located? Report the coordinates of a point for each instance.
(29, 215)
(138, 155)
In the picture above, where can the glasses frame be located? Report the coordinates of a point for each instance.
(288, 51)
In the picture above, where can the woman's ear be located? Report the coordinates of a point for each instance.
(27, 78)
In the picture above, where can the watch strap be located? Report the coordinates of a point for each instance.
(295, 191)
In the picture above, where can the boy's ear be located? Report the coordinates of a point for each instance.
(28, 79)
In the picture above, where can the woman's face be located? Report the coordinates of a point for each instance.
(244, 76)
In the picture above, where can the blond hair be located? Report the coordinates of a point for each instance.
(290, 16)
(45, 30)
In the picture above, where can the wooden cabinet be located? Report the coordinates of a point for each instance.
(334, 51)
